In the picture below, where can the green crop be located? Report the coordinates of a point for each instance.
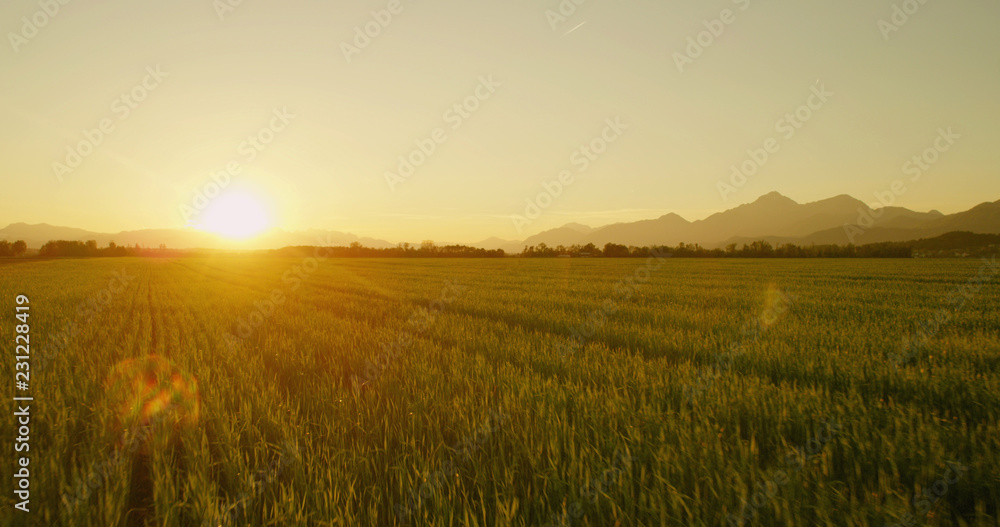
(284, 391)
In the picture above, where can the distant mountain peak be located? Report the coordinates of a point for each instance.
(772, 216)
(21, 224)
(775, 198)
(578, 227)
(673, 216)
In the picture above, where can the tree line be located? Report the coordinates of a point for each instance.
(757, 249)
(427, 249)
(78, 249)
(951, 244)
(13, 249)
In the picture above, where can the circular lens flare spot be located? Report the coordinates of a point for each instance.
(776, 304)
(152, 389)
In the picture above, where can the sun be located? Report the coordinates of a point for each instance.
(236, 215)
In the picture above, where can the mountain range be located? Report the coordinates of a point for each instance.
(773, 217)
(36, 235)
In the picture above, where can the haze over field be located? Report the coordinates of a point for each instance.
(839, 220)
(443, 120)
(514, 263)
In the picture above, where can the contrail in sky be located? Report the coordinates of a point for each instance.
(574, 29)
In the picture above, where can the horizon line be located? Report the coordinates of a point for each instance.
(363, 234)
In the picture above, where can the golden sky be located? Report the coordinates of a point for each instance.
(159, 96)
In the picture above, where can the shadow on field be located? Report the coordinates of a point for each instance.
(140, 495)
(141, 503)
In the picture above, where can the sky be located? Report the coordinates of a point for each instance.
(517, 115)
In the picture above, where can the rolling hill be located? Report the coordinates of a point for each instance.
(778, 219)
(36, 235)
(773, 217)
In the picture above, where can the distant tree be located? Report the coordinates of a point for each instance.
(5, 248)
(761, 249)
(48, 249)
(638, 252)
(92, 247)
(612, 250)
(19, 248)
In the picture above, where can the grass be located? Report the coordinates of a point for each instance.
(507, 392)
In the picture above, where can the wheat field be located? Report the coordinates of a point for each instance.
(594, 392)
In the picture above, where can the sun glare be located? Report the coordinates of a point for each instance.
(236, 215)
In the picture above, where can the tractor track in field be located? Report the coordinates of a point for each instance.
(532, 326)
(222, 275)
(902, 394)
(153, 312)
(368, 294)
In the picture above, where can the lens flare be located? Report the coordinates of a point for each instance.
(776, 304)
(152, 389)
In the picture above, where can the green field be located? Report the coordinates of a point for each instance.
(506, 392)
